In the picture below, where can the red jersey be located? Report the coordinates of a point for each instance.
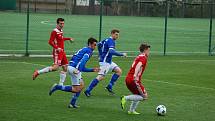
(56, 39)
(140, 58)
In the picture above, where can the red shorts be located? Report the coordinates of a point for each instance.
(60, 58)
(135, 87)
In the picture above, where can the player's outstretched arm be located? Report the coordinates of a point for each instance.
(114, 52)
(67, 38)
(83, 63)
(71, 40)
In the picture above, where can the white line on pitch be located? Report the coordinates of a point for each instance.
(118, 50)
(165, 82)
(172, 83)
(178, 84)
(46, 22)
(23, 62)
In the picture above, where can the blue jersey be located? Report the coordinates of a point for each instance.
(80, 59)
(106, 50)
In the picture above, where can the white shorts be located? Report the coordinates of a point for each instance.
(75, 75)
(105, 67)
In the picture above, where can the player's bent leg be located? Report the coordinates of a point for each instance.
(53, 89)
(76, 88)
(93, 84)
(134, 97)
(65, 68)
(62, 61)
(44, 70)
(133, 107)
(114, 78)
(62, 77)
(100, 77)
(123, 101)
(82, 85)
(63, 74)
(104, 68)
(56, 87)
(118, 70)
(54, 67)
(73, 100)
(35, 74)
(75, 97)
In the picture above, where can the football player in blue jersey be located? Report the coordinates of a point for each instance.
(76, 66)
(106, 50)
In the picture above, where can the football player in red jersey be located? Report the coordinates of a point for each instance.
(133, 80)
(59, 56)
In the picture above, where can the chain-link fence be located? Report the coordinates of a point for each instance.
(188, 24)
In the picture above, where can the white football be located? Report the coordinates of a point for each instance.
(161, 110)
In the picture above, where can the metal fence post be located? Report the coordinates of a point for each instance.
(165, 29)
(210, 28)
(101, 14)
(27, 32)
(35, 6)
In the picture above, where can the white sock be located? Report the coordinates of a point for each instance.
(44, 70)
(133, 105)
(62, 77)
(134, 97)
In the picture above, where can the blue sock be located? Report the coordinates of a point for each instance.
(74, 98)
(64, 88)
(92, 85)
(113, 80)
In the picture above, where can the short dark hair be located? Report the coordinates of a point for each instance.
(143, 47)
(59, 19)
(91, 41)
(114, 31)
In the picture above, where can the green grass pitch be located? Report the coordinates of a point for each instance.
(186, 35)
(184, 84)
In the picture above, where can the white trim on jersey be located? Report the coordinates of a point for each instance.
(106, 56)
(55, 42)
(103, 45)
(57, 30)
(141, 55)
(81, 59)
(55, 57)
(139, 88)
(78, 64)
(79, 51)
